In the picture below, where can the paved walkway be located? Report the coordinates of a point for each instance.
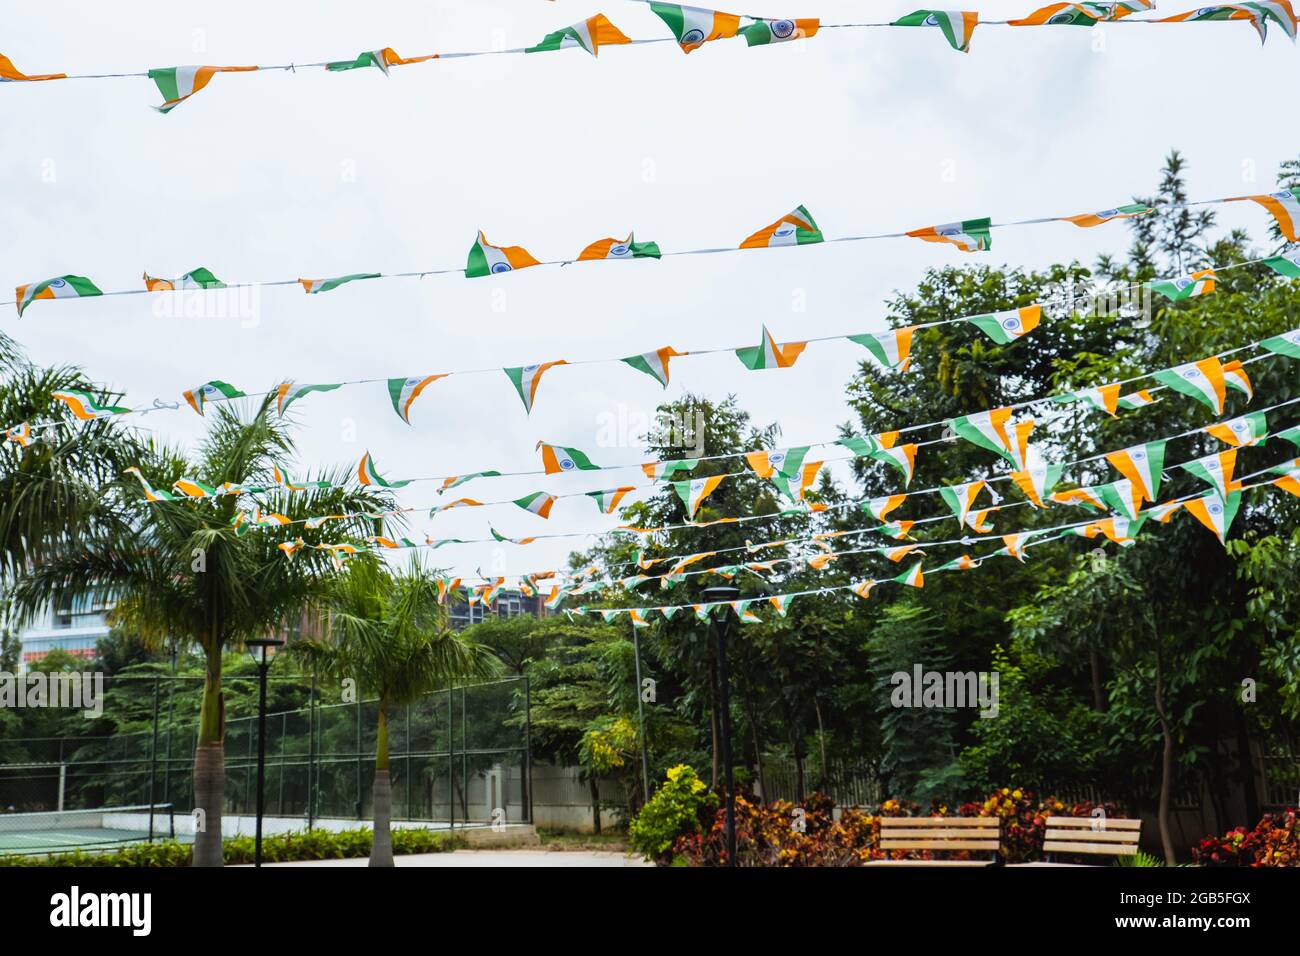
(577, 858)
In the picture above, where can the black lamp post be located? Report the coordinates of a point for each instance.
(720, 628)
(254, 645)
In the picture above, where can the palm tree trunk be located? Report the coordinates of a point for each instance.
(381, 849)
(210, 764)
(1166, 763)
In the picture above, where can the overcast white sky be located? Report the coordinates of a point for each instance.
(274, 176)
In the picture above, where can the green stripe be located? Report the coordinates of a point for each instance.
(671, 14)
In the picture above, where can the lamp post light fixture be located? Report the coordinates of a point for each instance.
(263, 660)
(720, 628)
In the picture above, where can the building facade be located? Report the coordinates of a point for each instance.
(507, 604)
(74, 626)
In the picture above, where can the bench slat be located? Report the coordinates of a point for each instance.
(964, 834)
(989, 822)
(1087, 823)
(1088, 836)
(905, 844)
(1116, 849)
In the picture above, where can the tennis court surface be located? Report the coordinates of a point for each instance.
(103, 828)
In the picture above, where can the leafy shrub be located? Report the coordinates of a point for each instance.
(680, 806)
(781, 834)
(276, 848)
(1274, 842)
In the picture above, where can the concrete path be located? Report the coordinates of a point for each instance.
(512, 858)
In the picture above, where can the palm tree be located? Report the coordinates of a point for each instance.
(189, 571)
(389, 633)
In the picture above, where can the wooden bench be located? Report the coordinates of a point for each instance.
(1100, 836)
(938, 834)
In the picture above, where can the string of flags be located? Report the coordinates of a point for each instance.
(1141, 467)
(796, 228)
(694, 27)
(789, 470)
(891, 349)
(1211, 509)
(1124, 498)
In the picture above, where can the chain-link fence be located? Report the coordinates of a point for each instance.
(457, 756)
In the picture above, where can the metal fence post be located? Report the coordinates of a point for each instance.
(311, 754)
(528, 746)
(153, 757)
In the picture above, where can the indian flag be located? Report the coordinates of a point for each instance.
(962, 563)
(863, 445)
(1291, 434)
(1123, 497)
(487, 259)
(380, 59)
(664, 470)
(627, 248)
(694, 492)
(961, 498)
(11, 74)
(1242, 432)
(880, 508)
(392, 543)
(286, 393)
(404, 391)
(769, 354)
(317, 286)
(608, 499)
(891, 349)
(1234, 376)
(1037, 482)
(150, 492)
(20, 434)
(1290, 482)
(762, 32)
(458, 503)
(199, 278)
(1015, 544)
(898, 530)
(958, 26)
(1284, 207)
(1089, 219)
(1084, 497)
(1062, 14)
(1288, 344)
(62, 287)
(590, 35)
(912, 577)
(526, 378)
(1279, 11)
(557, 459)
(1287, 264)
(213, 391)
(654, 364)
(1216, 471)
(781, 603)
(290, 548)
(1198, 283)
(1005, 327)
(1202, 380)
(898, 554)
(193, 488)
(785, 462)
(282, 479)
(1139, 399)
(744, 613)
(793, 229)
(179, 83)
(795, 484)
(996, 431)
(368, 474)
(1118, 528)
(1216, 511)
(1257, 14)
(1142, 465)
(538, 503)
(902, 457)
(969, 235)
(84, 405)
(695, 26)
(455, 481)
(637, 616)
(862, 588)
(1104, 397)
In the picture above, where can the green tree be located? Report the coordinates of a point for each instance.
(389, 633)
(183, 570)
